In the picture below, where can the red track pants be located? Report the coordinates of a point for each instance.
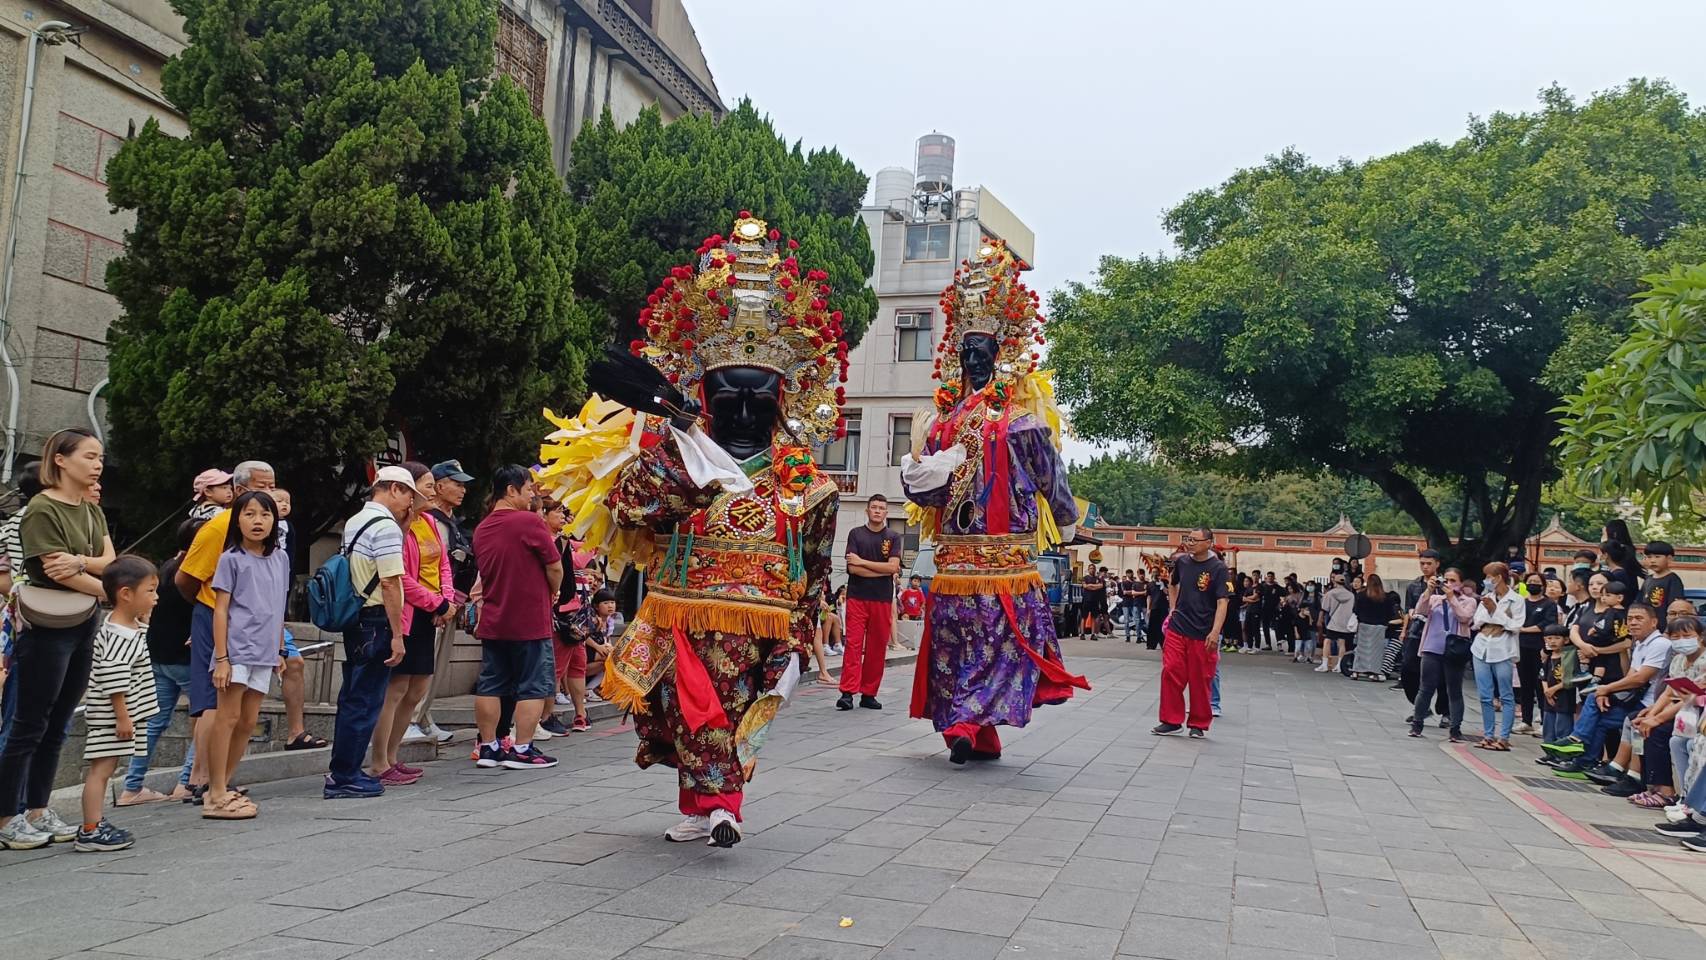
(865, 650)
(1186, 661)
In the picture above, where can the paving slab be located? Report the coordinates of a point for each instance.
(1305, 825)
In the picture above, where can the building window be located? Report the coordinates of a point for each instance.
(1294, 542)
(908, 533)
(1245, 541)
(927, 241)
(1387, 546)
(521, 57)
(900, 439)
(842, 456)
(913, 339)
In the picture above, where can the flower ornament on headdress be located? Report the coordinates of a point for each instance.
(987, 297)
(747, 303)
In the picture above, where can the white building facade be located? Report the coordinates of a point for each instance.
(921, 228)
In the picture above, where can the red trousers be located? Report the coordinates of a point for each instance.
(1186, 661)
(982, 736)
(865, 645)
(701, 804)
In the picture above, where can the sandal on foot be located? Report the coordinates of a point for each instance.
(145, 795)
(306, 741)
(234, 807)
(1651, 801)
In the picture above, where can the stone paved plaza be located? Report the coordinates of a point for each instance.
(1306, 826)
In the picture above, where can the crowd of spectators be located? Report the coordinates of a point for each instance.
(83, 626)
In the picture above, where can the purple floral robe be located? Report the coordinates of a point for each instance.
(977, 672)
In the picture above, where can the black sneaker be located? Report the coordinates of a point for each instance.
(1696, 843)
(1625, 787)
(845, 702)
(870, 703)
(529, 759)
(1444, 723)
(1165, 729)
(1198, 733)
(959, 751)
(1686, 830)
(554, 726)
(1604, 774)
(490, 756)
(105, 838)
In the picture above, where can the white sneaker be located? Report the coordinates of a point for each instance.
(1677, 812)
(1322, 668)
(564, 701)
(540, 733)
(20, 834)
(440, 734)
(414, 733)
(725, 832)
(692, 828)
(50, 824)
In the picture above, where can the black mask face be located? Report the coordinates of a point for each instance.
(744, 403)
(977, 359)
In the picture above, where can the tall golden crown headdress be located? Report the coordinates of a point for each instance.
(987, 297)
(747, 304)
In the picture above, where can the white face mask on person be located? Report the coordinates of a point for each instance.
(1688, 646)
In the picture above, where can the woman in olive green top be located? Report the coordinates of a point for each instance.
(66, 547)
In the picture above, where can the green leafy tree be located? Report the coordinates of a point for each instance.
(361, 233)
(649, 193)
(1637, 427)
(1130, 490)
(1415, 316)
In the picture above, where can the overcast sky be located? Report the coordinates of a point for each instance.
(1089, 118)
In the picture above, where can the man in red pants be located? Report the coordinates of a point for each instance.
(873, 562)
(1202, 586)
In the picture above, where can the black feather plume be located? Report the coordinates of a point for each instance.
(634, 383)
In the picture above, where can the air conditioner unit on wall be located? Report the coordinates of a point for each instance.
(912, 321)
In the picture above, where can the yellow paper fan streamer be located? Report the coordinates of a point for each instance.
(580, 462)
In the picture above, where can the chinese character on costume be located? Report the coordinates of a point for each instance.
(988, 487)
(695, 464)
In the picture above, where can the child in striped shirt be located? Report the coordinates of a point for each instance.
(121, 694)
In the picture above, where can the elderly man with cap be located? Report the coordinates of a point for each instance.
(451, 482)
(373, 539)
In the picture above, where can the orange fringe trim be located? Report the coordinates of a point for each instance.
(1010, 584)
(623, 693)
(726, 616)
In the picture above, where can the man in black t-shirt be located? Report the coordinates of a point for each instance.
(1271, 594)
(1663, 585)
(1202, 589)
(873, 562)
(1096, 602)
(1131, 604)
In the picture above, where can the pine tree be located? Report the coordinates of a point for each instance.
(361, 233)
(647, 194)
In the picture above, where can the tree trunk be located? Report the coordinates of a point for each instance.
(1412, 501)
